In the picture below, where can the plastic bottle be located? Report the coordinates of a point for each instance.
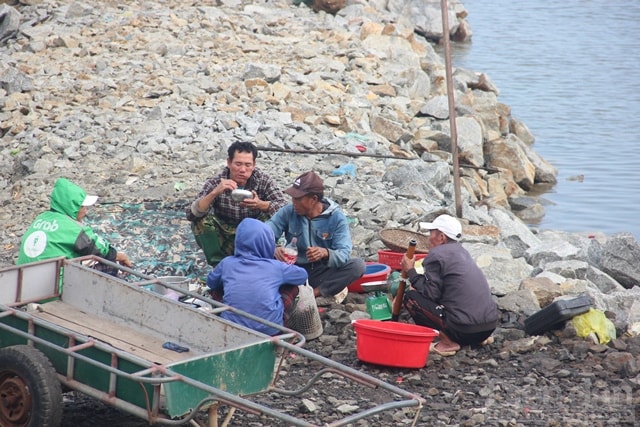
(282, 241)
(291, 252)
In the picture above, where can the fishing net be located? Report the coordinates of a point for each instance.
(156, 236)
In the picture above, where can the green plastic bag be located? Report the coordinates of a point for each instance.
(595, 321)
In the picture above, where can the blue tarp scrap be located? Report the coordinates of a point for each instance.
(155, 235)
(348, 169)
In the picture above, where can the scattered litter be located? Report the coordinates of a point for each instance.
(348, 169)
(356, 136)
(595, 322)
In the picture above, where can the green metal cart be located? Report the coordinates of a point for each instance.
(66, 326)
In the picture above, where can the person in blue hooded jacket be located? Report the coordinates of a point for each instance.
(253, 281)
(322, 237)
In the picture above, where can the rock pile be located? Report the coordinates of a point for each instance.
(137, 101)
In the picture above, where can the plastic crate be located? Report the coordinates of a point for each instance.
(392, 259)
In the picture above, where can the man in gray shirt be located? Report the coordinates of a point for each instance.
(452, 295)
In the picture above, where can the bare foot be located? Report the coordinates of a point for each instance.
(441, 346)
(447, 344)
(441, 350)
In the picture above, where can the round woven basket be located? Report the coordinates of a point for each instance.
(397, 239)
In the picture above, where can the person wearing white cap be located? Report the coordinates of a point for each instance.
(452, 295)
(59, 232)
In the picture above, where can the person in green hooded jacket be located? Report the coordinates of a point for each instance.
(59, 232)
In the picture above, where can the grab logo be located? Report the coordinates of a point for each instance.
(45, 225)
(35, 244)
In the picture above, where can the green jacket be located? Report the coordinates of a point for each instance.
(57, 233)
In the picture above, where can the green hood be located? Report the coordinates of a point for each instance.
(67, 197)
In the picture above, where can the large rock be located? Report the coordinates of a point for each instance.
(511, 153)
(9, 20)
(543, 288)
(514, 233)
(425, 16)
(503, 272)
(329, 6)
(521, 301)
(546, 252)
(469, 140)
(576, 269)
(619, 257)
(625, 304)
(545, 171)
(14, 81)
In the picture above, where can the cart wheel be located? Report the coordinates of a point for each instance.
(30, 393)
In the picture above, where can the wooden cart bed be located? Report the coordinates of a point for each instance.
(121, 337)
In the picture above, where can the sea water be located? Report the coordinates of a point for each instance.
(568, 69)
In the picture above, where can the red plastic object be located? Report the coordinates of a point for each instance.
(374, 272)
(361, 148)
(396, 344)
(392, 259)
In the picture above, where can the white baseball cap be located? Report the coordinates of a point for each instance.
(89, 200)
(447, 224)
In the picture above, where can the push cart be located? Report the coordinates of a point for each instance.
(66, 326)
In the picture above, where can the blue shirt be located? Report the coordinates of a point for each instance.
(329, 230)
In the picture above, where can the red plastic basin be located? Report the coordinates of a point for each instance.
(392, 259)
(374, 272)
(392, 343)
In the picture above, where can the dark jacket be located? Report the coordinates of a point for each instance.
(451, 278)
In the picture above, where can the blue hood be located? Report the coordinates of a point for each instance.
(254, 239)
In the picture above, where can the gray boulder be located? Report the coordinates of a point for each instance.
(9, 21)
(619, 257)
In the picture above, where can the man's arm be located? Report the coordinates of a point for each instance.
(278, 224)
(88, 243)
(214, 280)
(210, 190)
(429, 284)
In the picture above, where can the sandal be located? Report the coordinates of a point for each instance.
(441, 353)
